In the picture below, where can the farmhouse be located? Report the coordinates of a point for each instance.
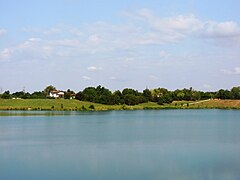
(62, 94)
(56, 94)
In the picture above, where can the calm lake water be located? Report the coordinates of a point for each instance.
(150, 144)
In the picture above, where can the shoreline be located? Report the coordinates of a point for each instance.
(4, 113)
(81, 106)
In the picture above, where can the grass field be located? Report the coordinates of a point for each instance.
(64, 104)
(218, 104)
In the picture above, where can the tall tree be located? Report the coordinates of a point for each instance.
(235, 93)
(147, 94)
(48, 89)
(6, 95)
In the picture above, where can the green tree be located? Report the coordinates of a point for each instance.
(130, 99)
(180, 96)
(68, 94)
(130, 91)
(26, 95)
(187, 94)
(98, 95)
(118, 97)
(196, 95)
(167, 98)
(160, 101)
(235, 93)
(19, 94)
(38, 95)
(80, 96)
(147, 94)
(48, 89)
(207, 95)
(103, 95)
(89, 94)
(6, 95)
(162, 95)
(223, 94)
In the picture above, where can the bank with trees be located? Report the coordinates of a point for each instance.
(128, 96)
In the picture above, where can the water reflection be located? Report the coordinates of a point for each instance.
(172, 144)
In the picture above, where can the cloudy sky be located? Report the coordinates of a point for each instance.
(118, 44)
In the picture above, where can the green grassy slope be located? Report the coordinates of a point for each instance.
(218, 104)
(42, 104)
(64, 104)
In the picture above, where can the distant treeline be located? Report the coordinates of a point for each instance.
(130, 96)
(159, 95)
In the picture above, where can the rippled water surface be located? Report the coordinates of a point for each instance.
(159, 144)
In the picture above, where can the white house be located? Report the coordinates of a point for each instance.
(57, 94)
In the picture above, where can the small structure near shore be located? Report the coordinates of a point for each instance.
(62, 94)
(56, 94)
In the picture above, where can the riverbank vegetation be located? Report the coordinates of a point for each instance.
(76, 105)
(101, 98)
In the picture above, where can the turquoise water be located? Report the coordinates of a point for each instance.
(158, 144)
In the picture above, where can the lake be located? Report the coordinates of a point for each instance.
(150, 144)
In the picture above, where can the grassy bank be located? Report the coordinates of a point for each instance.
(218, 104)
(64, 104)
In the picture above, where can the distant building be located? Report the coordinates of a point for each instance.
(60, 94)
(56, 94)
(73, 96)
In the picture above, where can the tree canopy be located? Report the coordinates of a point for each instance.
(129, 96)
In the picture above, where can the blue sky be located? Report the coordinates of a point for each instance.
(118, 44)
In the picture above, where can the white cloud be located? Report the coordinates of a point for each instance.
(5, 54)
(52, 31)
(164, 54)
(76, 31)
(221, 29)
(144, 13)
(3, 31)
(67, 43)
(153, 77)
(34, 39)
(235, 70)
(86, 78)
(32, 49)
(94, 68)
(146, 29)
(94, 39)
(29, 43)
(176, 28)
(48, 31)
(113, 78)
(127, 59)
(187, 23)
(165, 29)
(131, 47)
(207, 86)
(181, 24)
(31, 30)
(140, 14)
(225, 34)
